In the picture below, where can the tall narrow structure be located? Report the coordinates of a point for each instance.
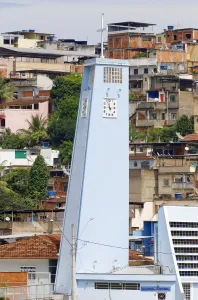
(97, 201)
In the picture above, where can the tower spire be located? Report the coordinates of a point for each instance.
(102, 35)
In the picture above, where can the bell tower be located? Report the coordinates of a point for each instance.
(98, 192)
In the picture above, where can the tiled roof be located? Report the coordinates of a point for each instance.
(191, 137)
(42, 246)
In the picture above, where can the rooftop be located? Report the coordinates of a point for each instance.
(131, 24)
(39, 53)
(35, 247)
(22, 32)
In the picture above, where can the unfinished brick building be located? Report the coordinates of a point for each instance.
(124, 42)
(184, 35)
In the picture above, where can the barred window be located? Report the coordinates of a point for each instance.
(184, 224)
(186, 288)
(186, 250)
(188, 273)
(117, 286)
(184, 233)
(186, 257)
(31, 272)
(188, 265)
(185, 242)
(112, 75)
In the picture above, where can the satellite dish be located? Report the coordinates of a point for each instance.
(186, 148)
(7, 219)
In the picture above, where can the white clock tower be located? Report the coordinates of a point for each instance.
(97, 199)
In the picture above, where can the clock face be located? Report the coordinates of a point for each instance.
(109, 108)
(84, 108)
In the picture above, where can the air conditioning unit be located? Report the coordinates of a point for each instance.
(161, 296)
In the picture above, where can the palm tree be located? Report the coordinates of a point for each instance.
(6, 90)
(37, 130)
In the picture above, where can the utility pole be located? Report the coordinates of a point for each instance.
(102, 37)
(73, 263)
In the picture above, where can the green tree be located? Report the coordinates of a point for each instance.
(65, 98)
(6, 90)
(65, 154)
(38, 179)
(11, 140)
(37, 130)
(17, 181)
(185, 125)
(134, 135)
(66, 87)
(10, 200)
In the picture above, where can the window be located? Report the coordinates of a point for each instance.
(153, 116)
(65, 186)
(145, 70)
(186, 250)
(147, 39)
(116, 286)
(184, 233)
(135, 164)
(186, 288)
(184, 224)
(185, 242)
(36, 106)
(52, 269)
(175, 37)
(188, 265)
(155, 70)
(145, 165)
(172, 98)
(173, 116)
(31, 272)
(42, 37)
(112, 75)
(179, 179)
(3, 123)
(186, 257)
(188, 36)
(135, 71)
(166, 182)
(163, 116)
(159, 39)
(188, 273)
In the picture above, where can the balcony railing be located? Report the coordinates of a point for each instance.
(25, 82)
(183, 186)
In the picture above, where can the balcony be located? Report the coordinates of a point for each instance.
(145, 123)
(24, 82)
(173, 105)
(152, 105)
(183, 186)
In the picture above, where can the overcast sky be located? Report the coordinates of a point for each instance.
(80, 19)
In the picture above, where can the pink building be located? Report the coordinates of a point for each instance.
(14, 114)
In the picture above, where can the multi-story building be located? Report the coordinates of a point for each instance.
(124, 42)
(167, 98)
(165, 175)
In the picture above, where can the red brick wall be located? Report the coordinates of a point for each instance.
(180, 35)
(13, 278)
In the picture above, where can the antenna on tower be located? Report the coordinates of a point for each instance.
(102, 35)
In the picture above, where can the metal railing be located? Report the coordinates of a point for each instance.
(30, 292)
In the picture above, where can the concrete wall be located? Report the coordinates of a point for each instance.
(148, 185)
(135, 185)
(143, 214)
(186, 103)
(7, 157)
(161, 187)
(27, 43)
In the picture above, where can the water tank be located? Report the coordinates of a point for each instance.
(51, 194)
(170, 27)
(50, 38)
(46, 144)
(178, 196)
(31, 30)
(24, 30)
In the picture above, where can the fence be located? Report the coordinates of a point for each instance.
(44, 291)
